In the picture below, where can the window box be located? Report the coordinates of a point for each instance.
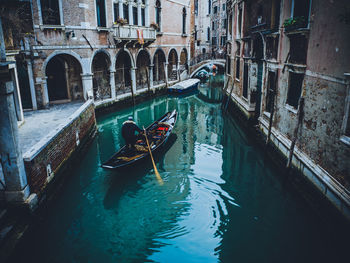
(53, 27)
(294, 23)
(103, 29)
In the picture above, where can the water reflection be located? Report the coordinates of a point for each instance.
(220, 202)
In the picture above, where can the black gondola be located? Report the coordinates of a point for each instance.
(157, 133)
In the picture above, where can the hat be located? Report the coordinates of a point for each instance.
(130, 118)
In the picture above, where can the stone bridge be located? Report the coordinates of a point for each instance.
(199, 62)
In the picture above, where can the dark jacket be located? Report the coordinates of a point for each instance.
(129, 128)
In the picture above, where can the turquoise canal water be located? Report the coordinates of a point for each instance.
(221, 201)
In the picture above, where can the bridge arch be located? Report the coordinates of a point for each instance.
(218, 63)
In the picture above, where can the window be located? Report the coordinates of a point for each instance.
(213, 41)
(184, 21)
(50, 12)
(275, 14)
(272, 47)
(239, 24)
(196, 7)
(301, 9)
(126, 12)
(208, 34)
(101, 13)
(195, 33)
(223, 7)
(245, 80)
(228, 64)
(116, 11)
(271, 85)
(143, 16)
(213, 26)
(298, 49)
(223, 40)
(224, 23)
(237, 68)
(209, 7)
(135, 15)
(294, 90)
(215, 9)
(158, 15)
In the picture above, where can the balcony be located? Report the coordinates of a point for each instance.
(134, 35)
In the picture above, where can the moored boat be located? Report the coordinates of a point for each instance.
(184, 86)
(157, 133)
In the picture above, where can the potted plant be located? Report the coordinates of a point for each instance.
(155, 25)
(294, 23)
(121, 21)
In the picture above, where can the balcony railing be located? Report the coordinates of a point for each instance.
(127, 32)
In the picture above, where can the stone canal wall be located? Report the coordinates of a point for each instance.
(302, 163)
(47, 157)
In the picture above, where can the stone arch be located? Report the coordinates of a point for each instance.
(112, 61)
(123, 66)
(159, 60)
(130, 55)
(85, 67)
(143, 61)
(172, 64)
(183, 60)
(100, 68)
(63, 72)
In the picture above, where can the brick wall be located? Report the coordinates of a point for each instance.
(59, 149)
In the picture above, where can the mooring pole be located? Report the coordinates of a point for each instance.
(229, 97)
(148, 81)
(274, 95)
(295, 134)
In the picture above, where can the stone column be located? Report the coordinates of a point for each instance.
(45, 92)
(139, 20)
(147, 14)
(121, 11)
(17, 189)
(178, 70)
(151, 76)
(166, 72)
(87, 86)
(112, 83)
(131, 17)
(31, 84)
(133, 79)
(17, 95)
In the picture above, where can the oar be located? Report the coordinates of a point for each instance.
(160, 180)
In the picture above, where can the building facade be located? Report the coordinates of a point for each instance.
(202, 30)
(289, 70)
(101, 49)
(218, 26)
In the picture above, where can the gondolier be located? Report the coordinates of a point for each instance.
(157, 134)
(128, 132)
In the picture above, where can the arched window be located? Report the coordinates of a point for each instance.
(158, 14)
(184, 21)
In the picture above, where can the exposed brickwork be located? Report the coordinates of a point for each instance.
(59, 150)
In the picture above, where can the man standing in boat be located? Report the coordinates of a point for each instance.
(128, 132)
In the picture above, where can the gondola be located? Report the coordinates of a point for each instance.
(157, 133)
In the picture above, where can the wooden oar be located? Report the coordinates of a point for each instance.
(160, 180)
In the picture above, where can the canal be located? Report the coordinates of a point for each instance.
(222, 200)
